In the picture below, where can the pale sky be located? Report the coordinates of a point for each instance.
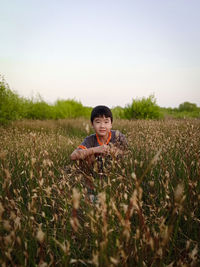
(102, 51)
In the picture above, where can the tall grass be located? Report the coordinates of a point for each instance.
(147, 210)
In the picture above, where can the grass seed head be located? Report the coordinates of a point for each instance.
(3, 155)
(76, 198)
(178, 193)
(194, 253)
(40, 234)
(114, 261)
(1, 210)
(6, 225)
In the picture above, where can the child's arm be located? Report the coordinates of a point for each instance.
(84, 153)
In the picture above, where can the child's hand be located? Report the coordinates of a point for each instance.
(115, 152)
(104, 149)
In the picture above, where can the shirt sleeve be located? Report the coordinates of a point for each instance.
(86, 143)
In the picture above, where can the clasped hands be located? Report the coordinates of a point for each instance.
(91, 152)
(107, 150)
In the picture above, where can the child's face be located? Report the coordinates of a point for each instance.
(102, 125)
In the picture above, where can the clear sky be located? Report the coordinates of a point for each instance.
(102, 51)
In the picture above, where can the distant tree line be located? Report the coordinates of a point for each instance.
(184, 110)
(14, 107)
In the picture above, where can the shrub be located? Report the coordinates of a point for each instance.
(13, 107)
(10, 103)
(145, 108)
(187, 106)
(38, 110)
(70, 109)
(177, 113)
(118, 112)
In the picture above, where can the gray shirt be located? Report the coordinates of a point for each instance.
(115, 137)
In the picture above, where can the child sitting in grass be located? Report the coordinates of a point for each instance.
(101, 146)
(104, 141)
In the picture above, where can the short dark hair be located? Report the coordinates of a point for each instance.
(100, 111)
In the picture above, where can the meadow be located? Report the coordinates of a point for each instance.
(147, 211)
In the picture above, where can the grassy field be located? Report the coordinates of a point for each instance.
(148, 207)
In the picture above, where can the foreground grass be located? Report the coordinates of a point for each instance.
(147, 213)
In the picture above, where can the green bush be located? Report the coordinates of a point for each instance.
(118, 112)
(145, 108)
(10, 103)
(13, 107)
(38, 110)
(187, 114)
(177, 113)
(188, 107)
(70, 109)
